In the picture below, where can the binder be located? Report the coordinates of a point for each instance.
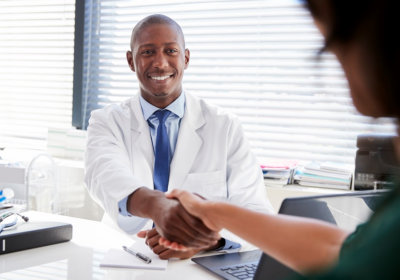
(34, 234)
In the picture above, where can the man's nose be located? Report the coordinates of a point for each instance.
(160, 60)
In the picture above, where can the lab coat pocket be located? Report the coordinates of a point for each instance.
(210, 185)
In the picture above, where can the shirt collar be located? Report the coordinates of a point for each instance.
(177, 107)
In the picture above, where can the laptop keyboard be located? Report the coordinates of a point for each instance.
(242, 272)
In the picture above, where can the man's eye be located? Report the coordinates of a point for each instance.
(172, 51)
(147, 52)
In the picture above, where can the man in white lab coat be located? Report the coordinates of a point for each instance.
(209, 153)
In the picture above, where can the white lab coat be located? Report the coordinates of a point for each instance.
(212, 156)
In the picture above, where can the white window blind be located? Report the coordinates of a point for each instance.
(36, 70)
(255, 58)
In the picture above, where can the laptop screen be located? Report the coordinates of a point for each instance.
(345, 210)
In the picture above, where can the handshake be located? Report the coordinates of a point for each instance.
(181, 226)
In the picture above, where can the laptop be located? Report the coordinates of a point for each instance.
(345, 210)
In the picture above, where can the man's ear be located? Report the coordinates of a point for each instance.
(129, 58)
(187, 58)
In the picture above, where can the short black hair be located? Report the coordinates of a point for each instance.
(156, 19)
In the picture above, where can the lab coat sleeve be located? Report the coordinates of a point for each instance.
(108, 175)
(244, 175)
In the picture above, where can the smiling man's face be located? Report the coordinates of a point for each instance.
(159, 59)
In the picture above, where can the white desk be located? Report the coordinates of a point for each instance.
(80, 258)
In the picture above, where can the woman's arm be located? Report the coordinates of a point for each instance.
(301, 243)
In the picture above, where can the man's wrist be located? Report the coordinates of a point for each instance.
(229, 245)
(224, 244)
(141, 202)
(220, 244)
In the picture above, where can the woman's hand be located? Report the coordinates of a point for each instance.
(195, 205)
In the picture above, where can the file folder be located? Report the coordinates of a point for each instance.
(34, 234)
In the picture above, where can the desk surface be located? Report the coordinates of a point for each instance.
(80, 258)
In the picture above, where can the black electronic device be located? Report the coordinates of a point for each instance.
(34, 234)
(376, 165)
(346, 210)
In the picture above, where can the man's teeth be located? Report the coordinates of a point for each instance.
(160, 78)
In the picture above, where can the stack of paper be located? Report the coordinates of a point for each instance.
(325, 175)
(278, 174)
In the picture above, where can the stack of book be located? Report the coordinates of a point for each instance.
(324, 175)
(278, 174)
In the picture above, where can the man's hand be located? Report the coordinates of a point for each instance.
(152, 237)
(172, 221)
(196, 206)
(176, 223)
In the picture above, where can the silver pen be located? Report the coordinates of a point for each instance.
(137, 254)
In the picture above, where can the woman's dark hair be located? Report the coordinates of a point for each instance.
(374, 24)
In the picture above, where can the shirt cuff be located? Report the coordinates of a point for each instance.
(128, 222)
(131, 224)
(228, 245)
(122, 207)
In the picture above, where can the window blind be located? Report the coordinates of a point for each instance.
(257, 59)
(36, 70)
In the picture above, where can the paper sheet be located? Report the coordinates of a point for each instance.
(120, 259)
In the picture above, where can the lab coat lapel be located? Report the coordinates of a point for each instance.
(141, 139)
(188, 143)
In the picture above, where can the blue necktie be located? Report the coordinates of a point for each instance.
(162, 153)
